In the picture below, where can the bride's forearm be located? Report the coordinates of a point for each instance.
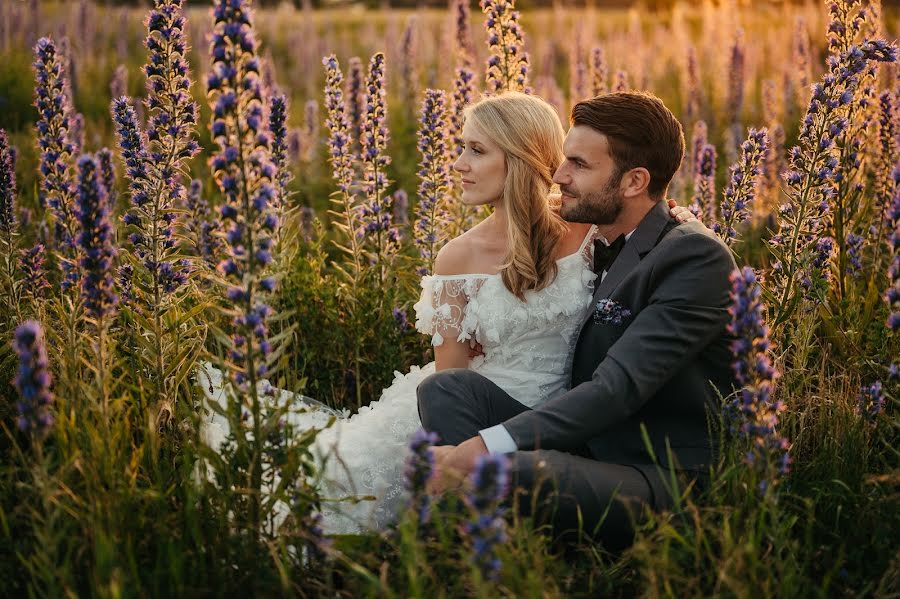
(451, 354)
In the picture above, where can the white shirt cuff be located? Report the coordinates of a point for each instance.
(498, 440)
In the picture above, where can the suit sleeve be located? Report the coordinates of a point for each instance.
(687, 309)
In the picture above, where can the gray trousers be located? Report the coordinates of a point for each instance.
(572, 492)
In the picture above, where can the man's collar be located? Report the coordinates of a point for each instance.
(606, 241)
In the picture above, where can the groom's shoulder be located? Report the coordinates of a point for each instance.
(694, 235)
(694, 240)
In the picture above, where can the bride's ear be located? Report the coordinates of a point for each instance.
(635, 182)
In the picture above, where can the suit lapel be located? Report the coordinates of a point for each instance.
(645, 237)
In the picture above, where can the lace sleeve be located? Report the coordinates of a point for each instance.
(587, 246)
(442, 308)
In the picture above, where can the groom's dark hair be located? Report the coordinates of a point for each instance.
(641, 132)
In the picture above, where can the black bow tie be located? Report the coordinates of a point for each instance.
(605, 255)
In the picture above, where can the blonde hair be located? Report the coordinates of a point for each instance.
(529, 132)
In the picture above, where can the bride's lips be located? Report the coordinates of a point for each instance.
(467, 182)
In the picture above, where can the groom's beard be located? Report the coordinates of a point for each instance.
(599, 207)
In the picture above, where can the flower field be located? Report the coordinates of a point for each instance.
(261, 188)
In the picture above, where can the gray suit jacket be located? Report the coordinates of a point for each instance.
(660, 367)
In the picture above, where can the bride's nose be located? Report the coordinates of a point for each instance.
(459, 165)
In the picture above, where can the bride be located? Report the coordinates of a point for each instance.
(517, 286)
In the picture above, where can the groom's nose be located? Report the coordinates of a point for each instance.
(561, 176)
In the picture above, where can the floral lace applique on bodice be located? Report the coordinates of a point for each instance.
(526, 344)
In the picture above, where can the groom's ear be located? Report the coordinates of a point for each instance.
(635, 182)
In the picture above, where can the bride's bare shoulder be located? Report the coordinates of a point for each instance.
(464, 254)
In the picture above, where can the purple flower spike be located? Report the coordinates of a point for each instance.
(704, 200)
(278, 108)
(54, 141)
(754, 412)
(95, 242)
(7, 189)
(741, 190)
(375, 212)
(33, 380)
(487, 529)
(814, 173)
(419, 470)
(463, 93)
(434, 178)
(339, 141)
(870, 402)
(247, 177)
(31, 263)
(507, 66)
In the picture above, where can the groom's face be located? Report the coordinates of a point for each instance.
(588, 179)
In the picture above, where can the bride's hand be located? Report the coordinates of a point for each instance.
(680, 213)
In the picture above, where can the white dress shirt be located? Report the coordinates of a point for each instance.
(496, 438)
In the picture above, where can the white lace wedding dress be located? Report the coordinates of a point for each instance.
(526, 348)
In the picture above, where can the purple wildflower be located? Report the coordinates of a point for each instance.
(400, 319)
(409, 60)
(736, 77)
(487, 529)
(810, 177)
(870, 402)
(854, 245)
(401, 207)
(599, 71)
(31, 263)
(201, 227)
(155, 160)
(434, 178)
(621, 82)
(54, 141)
(118, 85)
(7, 189)
(375, 213)
(278, 108)
(578, 69)
(464, 46)
(307, 217)
(699, 139)
(311, 128)
(704, 200)
(107, 174)
(754, 412)
(691, 87)
(340, 140)
(33, 380)
(419, 470)
(244, 172)
(801, 60)
(95, 241)
(356, 97)
(507, 66)
(295, 147)
(463, 92)
(892, 295)
(741, 189)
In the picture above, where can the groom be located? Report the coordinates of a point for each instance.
(653, 354)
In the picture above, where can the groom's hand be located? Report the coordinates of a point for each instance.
(453, 464)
